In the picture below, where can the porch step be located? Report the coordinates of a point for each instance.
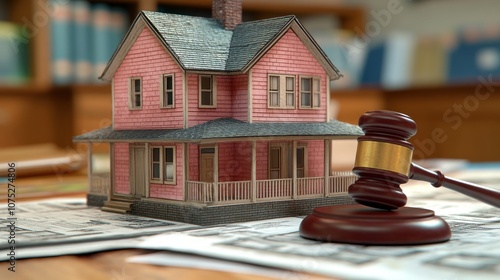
(117, 206)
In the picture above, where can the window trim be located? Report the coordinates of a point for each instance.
(163, 165)
(213, 90)
(313, 92)
(162, 91)
(282, 91)
(132, 93)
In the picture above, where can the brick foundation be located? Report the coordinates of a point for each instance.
(212, 215)
(96, 200)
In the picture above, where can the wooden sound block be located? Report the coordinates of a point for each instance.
(358, 224)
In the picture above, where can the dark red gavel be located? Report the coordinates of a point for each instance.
(383, 162)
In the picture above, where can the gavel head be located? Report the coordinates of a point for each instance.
(383, 159)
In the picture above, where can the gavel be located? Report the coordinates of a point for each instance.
(383, 162)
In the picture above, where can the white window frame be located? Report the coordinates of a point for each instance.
(163, 164)
(212, 90)
(164, 93)
(282, 91)
(133, 94)
(315, 93)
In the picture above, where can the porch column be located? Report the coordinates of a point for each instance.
(89, 166)
(146, 169)
(185, 175)
(294, 169)
(216, 174)
(111, 170)
(253, 172)
(327, 166)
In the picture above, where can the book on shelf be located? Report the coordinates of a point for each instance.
(454, 57)
(80, 39)
(374, 63)
(62, 54)
(430, 60)
(101, 34)
(84, 36)
(14, 54)
(397, 62)
(473, 57)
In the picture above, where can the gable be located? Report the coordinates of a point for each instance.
(307, 40)
(202, 44)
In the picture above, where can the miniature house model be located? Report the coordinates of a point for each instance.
(216, 121)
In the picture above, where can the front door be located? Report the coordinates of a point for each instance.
(137, 171)
(207, 165)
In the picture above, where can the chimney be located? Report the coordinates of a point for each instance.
(227, 12)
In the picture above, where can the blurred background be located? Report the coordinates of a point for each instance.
(437, 61)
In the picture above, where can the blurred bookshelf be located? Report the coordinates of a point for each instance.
(42, 109)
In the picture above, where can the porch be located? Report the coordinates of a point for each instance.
(247, 192)
(218, 193)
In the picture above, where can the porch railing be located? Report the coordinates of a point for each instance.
(99, 183)
(340, 182)
(274, 189)
(265, 190)
(310, 187)
(222, 192)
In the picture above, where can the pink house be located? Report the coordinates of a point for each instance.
(215, 120)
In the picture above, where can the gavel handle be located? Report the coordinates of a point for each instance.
(437, 179)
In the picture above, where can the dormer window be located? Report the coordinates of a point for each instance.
(135, 99)
(207, 96)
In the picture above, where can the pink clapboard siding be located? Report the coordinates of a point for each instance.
(170, 191)
(121, 168)
(240, 97)
(316, 158)
(262, 158)
(149, 60)
(235, 161)
(223, 108)
(193, 162)
(289, 56)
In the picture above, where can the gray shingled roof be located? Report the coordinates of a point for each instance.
(203, 44)
(249, 38)
(198, 43)
(224, 128)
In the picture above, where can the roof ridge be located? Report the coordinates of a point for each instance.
(268, 19)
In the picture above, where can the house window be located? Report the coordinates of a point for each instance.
(281, 89)
(167, 93)
(301, 160)
(207, 91)
(135, 93)
(169, 174)
(163, 165)
(310, 92)
(155, 164)
(274, 91)
(280, 160)
(275, 162)
(290, 92)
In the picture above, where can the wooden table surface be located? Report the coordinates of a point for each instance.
(112, 266)
(109, 265)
